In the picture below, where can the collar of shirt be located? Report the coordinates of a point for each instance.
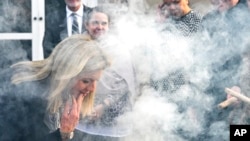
(79, 12)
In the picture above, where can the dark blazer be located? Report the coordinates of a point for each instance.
(56, 28)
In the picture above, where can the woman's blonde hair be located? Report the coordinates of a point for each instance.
(76, 54)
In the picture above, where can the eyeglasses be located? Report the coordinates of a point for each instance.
(95, 23)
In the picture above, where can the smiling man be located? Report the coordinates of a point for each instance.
(97, 23)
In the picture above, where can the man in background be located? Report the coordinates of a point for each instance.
(64, 22)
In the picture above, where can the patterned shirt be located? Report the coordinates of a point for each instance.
(186, 25)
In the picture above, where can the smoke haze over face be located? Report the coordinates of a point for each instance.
(178, 115)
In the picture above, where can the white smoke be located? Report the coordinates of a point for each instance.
(158, 115)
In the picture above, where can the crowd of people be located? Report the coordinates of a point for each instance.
(86, 82)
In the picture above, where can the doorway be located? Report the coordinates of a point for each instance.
(22, 21)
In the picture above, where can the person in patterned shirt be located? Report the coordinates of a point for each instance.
(185, 20)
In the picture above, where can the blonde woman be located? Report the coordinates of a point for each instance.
(117, 86)
(64, 86)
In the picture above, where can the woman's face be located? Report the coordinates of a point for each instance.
(97, 25)
(224, 5)
(73, 5)
(177, 8)
(85, 83)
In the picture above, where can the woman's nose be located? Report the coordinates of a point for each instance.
(91, 86)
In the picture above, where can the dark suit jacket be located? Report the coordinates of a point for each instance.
(56, 28)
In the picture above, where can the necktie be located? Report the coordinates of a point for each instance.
(75, 28)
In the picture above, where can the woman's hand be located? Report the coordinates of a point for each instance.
(71, 114)
(97, 112)
(234, 88)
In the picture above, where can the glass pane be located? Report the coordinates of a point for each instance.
(15, 16)
(52, 5)
(27, 47)
(13, 51)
